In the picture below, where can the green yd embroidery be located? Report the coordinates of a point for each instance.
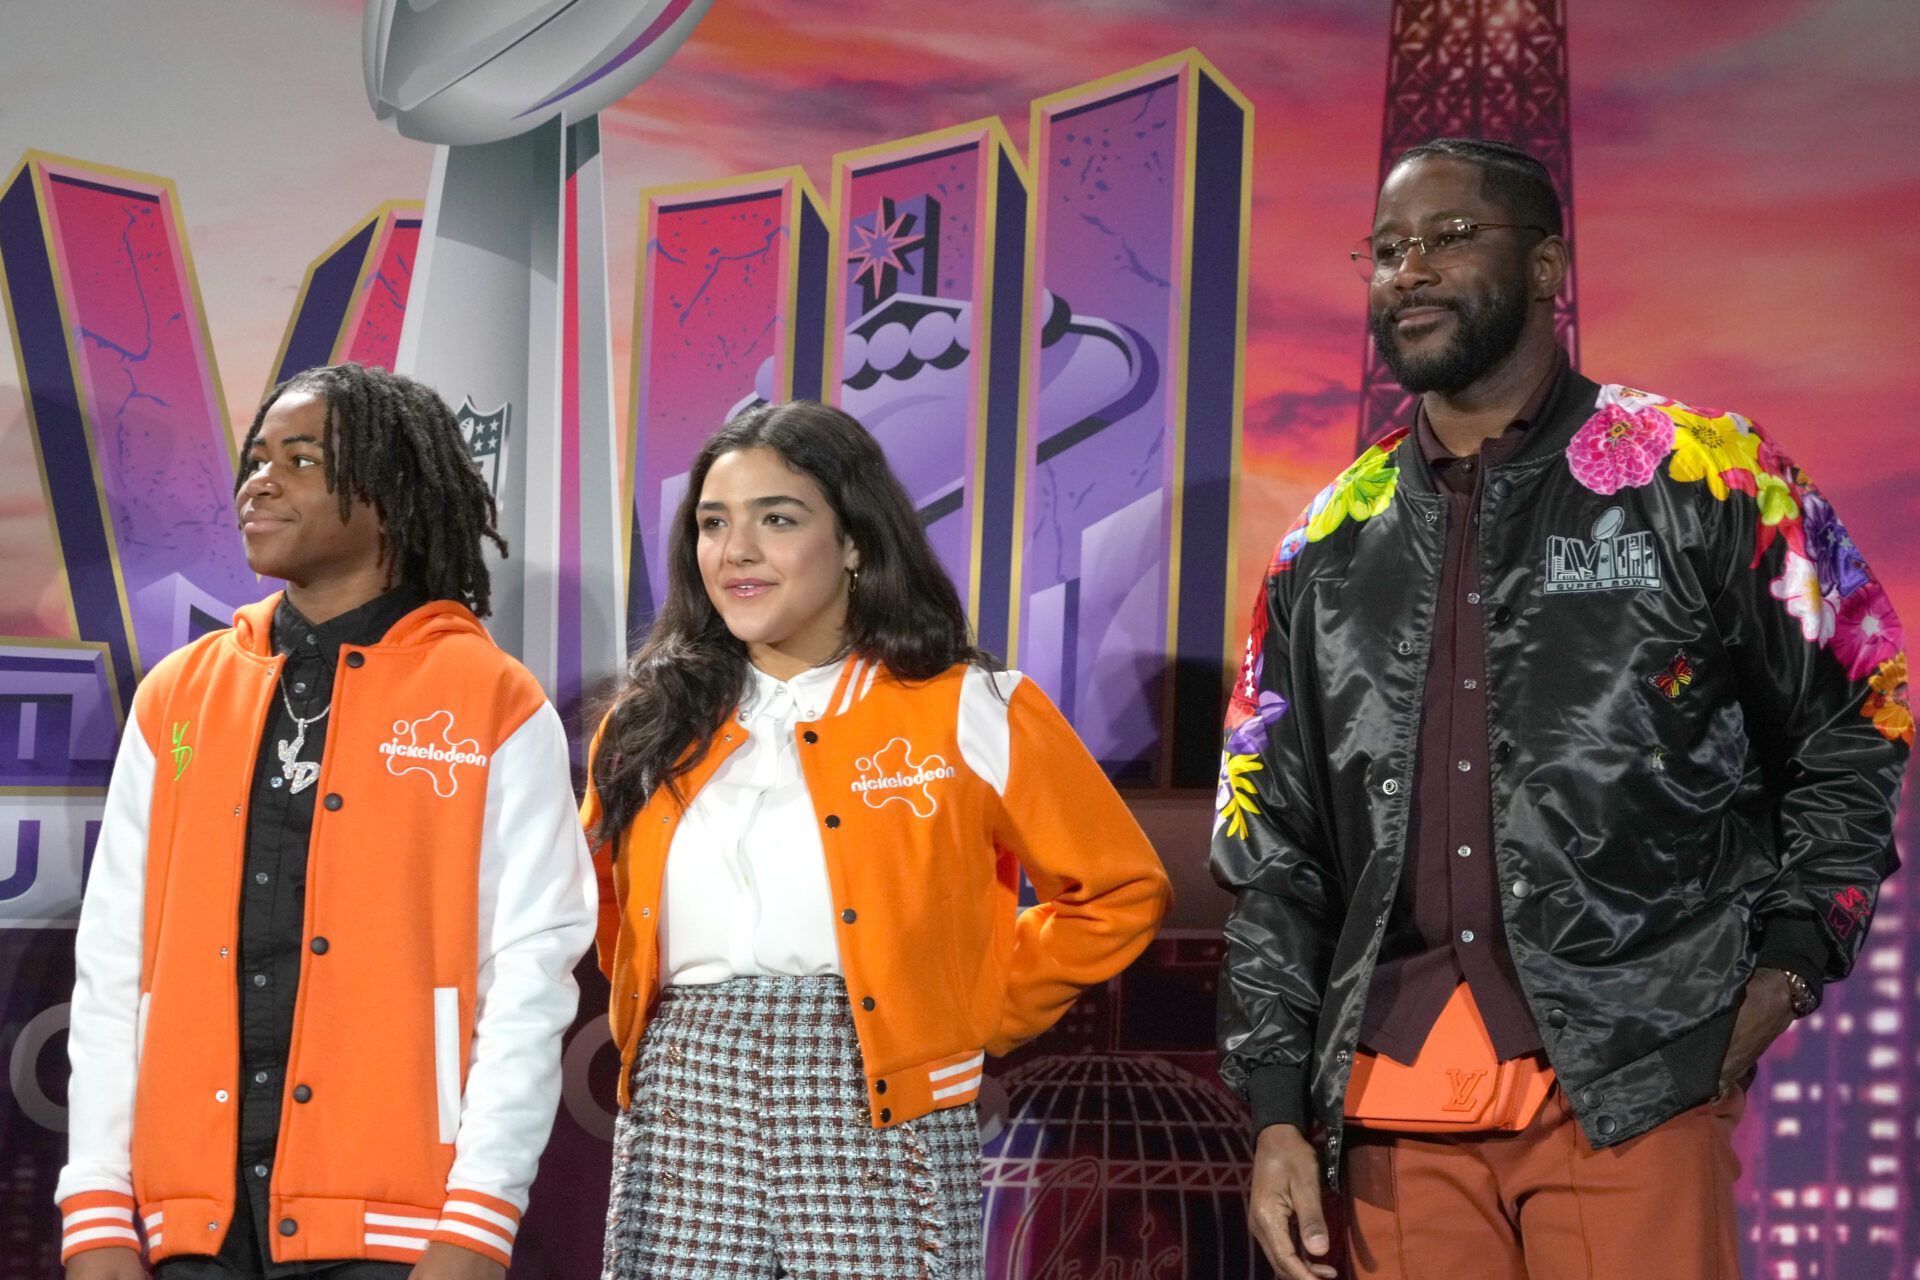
(182, 750)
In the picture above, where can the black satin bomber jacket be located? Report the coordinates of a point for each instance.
(1683, 785)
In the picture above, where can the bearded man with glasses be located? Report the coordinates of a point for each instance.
(1559, 778)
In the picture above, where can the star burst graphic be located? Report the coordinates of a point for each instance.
(878, 248)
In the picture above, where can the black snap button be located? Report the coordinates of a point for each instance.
(1606, 1124)
(333, 800)
(1557, 1019)
(811, 736)
(885, 1115)
(1501, 486)
(356, 659)
(1591, 1098)
(301, 1093)
(259, 1171)
(849, 915)
(318, 946)
(288, 1226)
(879, 1086)
(1502, 750)
(300, 686)
(833, 820)
(1503, 615)
(867, 1004)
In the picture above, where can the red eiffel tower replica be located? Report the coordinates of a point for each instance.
(1474, 68)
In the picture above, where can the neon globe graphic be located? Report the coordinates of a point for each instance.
(1117, 1164)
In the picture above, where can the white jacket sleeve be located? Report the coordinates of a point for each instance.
(95, 1190)
(537, 910)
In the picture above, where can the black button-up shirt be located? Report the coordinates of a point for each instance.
(1445, 926)
(273, 900)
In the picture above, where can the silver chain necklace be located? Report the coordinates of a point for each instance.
(300, 774)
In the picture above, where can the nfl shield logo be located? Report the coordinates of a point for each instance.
(486, 437)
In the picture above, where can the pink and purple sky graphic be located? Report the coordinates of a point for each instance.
(1741, 193)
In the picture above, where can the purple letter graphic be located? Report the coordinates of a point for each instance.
(59, 728)
(126, 407)
(928, 270)
(355, 295)
(728, 313)
(1133, 414)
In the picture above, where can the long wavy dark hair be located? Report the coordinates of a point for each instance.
(690, 670)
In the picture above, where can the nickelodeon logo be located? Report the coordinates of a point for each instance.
(898, 775)
(903, 779)
(412, 750)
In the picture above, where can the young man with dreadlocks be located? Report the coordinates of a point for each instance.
(326, 951)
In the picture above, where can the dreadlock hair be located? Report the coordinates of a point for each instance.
(690, 670)
(393, 443)
(1509, 177)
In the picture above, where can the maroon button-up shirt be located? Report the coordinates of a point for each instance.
(1445, 924)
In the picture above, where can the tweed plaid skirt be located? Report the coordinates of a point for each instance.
(748, 1151)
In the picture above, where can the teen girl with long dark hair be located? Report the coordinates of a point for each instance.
(810, 806)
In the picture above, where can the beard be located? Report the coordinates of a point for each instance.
(1487, 328)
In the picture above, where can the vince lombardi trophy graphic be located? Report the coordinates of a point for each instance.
(508, 314)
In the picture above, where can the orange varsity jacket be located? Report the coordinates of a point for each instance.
(931, 798)
(448, 899)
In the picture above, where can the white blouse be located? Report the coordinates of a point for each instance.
(746, 892)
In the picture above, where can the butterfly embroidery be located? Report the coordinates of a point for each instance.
(1677, 676)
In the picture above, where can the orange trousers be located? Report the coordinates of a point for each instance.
(1542, 1204)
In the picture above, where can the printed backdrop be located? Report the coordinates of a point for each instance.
(1080, 265)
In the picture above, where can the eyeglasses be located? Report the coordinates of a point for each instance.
(1375, 261)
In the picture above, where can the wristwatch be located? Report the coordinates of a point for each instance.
(1800, 996)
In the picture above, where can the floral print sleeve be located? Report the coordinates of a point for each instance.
(1270, 848)
(1822, 581)
(1817, 645)
(1362, 491)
